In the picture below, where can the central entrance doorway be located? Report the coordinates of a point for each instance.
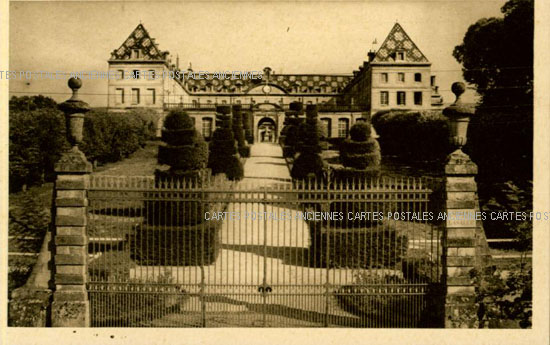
(267, 130)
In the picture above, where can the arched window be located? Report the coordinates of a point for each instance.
(207, 127)
(343, 128)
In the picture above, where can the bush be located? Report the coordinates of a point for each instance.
(27, 218)
(186, 157)
(296, 106)
(505, 298)
(36, 140)
(360, 151)
(360, 131)
(110, 137)
(356, 248)
(378, 299)
(413, 135)
(238, 131)
(307, 164)
(178, 119)
(223, 156)
(244, 151)
(361, 160)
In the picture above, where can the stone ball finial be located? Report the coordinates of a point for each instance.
(75, 83)
(458, 89)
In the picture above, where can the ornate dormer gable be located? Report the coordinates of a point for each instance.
(398, 47)
(139, 46)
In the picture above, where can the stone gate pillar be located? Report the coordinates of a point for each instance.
(70, 307)
(461, 205)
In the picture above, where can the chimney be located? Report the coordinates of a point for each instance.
(371, 55)
(178, 62)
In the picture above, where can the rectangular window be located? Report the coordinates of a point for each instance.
(120, 74)
(384, 77)
(418, 98)
(135, 96)
(401, 98)
(207, 127)
(151, 96)
(384, 98)
(119, 96)
(151, 74)
(135, 74)
(432, 80)
(135, 53)
(418, 77)
(400, 56)
(328, 125)
(401, 77)
(343, 128)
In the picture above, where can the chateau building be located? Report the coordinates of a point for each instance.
(396, 76)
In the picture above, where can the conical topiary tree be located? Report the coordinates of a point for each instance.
(238, 132)
(223, 156)
(175, 232)
(290, 130)
(309, 160)
(247, 127)
(364, 244)
(186, 152)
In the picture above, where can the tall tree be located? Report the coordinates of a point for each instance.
(497, 57)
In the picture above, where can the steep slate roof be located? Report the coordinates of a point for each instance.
(398, 39)
(290, 83)
(139, 39)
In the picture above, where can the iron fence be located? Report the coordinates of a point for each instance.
(213, 253)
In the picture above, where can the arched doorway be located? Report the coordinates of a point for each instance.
(267, 130)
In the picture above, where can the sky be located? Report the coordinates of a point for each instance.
(289, 37)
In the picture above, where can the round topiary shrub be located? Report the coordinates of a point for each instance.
(178, 119)
(360, 131)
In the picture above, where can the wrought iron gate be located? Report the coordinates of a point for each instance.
(211, 253)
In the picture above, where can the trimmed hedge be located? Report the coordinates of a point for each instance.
(413, 135)
(176, 246)
(360, 131)
(170, 212)
(360, 147)
(356, 248)
(308, 134)
(360, 151)
(187, 157)
(238, 130)
(361, 160)
(224, 156)
(307, 164)
(244, 151)
(178, 137)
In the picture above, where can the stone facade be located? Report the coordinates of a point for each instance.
(161, 85)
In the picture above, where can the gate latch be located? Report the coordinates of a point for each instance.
(264, 289)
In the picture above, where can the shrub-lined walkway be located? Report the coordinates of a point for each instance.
(237, 273)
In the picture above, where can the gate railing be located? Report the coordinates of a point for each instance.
(310, 253)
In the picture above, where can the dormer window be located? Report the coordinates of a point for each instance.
(400, 55)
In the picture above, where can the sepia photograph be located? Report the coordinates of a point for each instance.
(346, 165)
